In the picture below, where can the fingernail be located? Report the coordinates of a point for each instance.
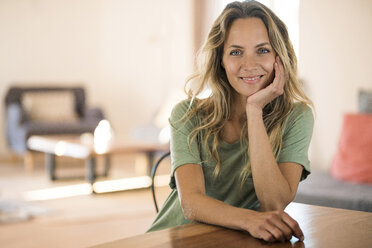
(276, 64)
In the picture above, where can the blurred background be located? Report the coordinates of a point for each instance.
(131, 55)
(133, 58)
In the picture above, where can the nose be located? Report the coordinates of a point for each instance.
(249, 62)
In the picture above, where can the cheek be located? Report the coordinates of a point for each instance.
(269, 66)
(230, 68)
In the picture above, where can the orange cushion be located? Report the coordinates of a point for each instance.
(353, 160)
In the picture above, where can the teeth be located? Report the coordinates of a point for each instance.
(252, 78)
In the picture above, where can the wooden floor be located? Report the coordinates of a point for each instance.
(79, 221)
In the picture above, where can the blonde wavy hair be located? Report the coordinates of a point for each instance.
(216, 110)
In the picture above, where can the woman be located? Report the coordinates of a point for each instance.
(238, 155)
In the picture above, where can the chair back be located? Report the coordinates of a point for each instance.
(153, 173)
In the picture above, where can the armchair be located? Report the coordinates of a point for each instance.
(46, 110)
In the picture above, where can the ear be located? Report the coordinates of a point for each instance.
(223, 66)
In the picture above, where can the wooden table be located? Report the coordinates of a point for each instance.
(75, 147)
(323, 227)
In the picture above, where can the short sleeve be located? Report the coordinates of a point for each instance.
(181, 127)
(297, 135)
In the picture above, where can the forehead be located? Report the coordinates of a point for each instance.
(247, 30)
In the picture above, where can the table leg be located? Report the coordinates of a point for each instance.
(91, 169)
(50, 164)
(107, 165)
(150, 161)
(29, 161)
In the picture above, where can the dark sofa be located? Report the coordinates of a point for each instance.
(19, 125)
(320, 188)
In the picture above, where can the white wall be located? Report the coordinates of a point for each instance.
(335, 62)
(128, 54)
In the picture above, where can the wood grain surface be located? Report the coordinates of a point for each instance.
(322, 227)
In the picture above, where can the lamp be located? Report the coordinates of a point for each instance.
(103, 136)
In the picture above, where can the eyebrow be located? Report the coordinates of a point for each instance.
(258, 45)
(262, 44)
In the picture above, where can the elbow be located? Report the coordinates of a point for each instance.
(188, 214)
(188, 209)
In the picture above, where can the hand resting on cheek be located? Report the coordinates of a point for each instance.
(261, 98)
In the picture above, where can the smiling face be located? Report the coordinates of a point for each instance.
(248, 57)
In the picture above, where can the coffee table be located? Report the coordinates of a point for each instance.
(75, 146)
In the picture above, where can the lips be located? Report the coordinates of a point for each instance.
(251, 79)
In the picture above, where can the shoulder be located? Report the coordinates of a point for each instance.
(182, 106)
(180, 109)
(301, 116)
(182, 115)
(301, 111)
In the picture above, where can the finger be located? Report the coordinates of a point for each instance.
(287, 232)
(275, 232)
(276, 72)
(278, 82)
(280, 63)
(293, 225)
(280, 69)
(278, 79)
(278, 75)
(267, 236)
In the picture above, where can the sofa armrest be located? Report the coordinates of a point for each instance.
(15, 114)
(93, 114)
(16, 133)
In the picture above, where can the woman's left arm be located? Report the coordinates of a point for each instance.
(275, 184)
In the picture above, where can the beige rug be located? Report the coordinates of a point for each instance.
(17, 211)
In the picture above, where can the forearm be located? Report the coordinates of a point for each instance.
(196, 205)
(270, 226)
(199, 207)
(272, 189)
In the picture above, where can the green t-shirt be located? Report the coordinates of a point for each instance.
(226, 187)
